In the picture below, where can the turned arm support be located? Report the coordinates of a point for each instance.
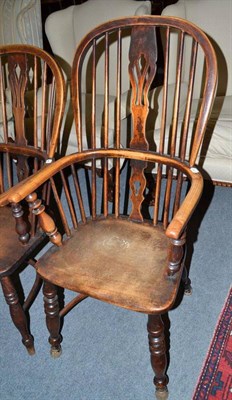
(21, 226)
(176, 254)
(46, 222)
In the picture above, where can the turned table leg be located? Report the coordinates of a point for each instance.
(157, 348)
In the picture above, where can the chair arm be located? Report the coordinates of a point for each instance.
(179, 221)
(182, 216)
(21, 190)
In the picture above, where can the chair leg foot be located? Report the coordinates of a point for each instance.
(51, 307)
(187, 283)
(30, 349)
(56, 352)
(161, 394)
(188, 289)
(157, 348)
(17, 313)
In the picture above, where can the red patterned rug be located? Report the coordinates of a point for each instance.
(215, 382)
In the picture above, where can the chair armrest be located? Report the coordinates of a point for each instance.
(179, 221)
(182, 216)
(21, 190)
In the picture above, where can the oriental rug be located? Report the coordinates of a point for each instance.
(215, 382)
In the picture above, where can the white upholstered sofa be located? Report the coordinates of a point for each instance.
(64, 30)
(215, 18)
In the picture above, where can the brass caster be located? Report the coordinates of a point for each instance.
(161, 394)
(56, 352)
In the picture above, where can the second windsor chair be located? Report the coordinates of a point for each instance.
(27, 142)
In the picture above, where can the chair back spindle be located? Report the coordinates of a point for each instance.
(107, 150)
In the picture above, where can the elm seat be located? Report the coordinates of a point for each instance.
(133, 274)
(124, 252)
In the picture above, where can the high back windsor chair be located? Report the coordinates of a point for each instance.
(110, 251)
(26, 143)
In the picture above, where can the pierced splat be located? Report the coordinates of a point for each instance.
(137, 186)
(142, 69)
(18, 77)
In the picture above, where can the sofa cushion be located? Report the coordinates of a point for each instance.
(216, 24)
(216, 153)
(155, 101)
(125, 108)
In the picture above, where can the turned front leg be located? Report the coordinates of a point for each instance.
(51, 307)
(157, 348)
(17, 313)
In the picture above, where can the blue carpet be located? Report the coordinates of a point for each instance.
(105, 352)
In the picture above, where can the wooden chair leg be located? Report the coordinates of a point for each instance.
(17, 313)
(186, 282)
(157, 348)
(33, 292)
(51, 306)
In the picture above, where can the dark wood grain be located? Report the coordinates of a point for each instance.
(23, 152)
